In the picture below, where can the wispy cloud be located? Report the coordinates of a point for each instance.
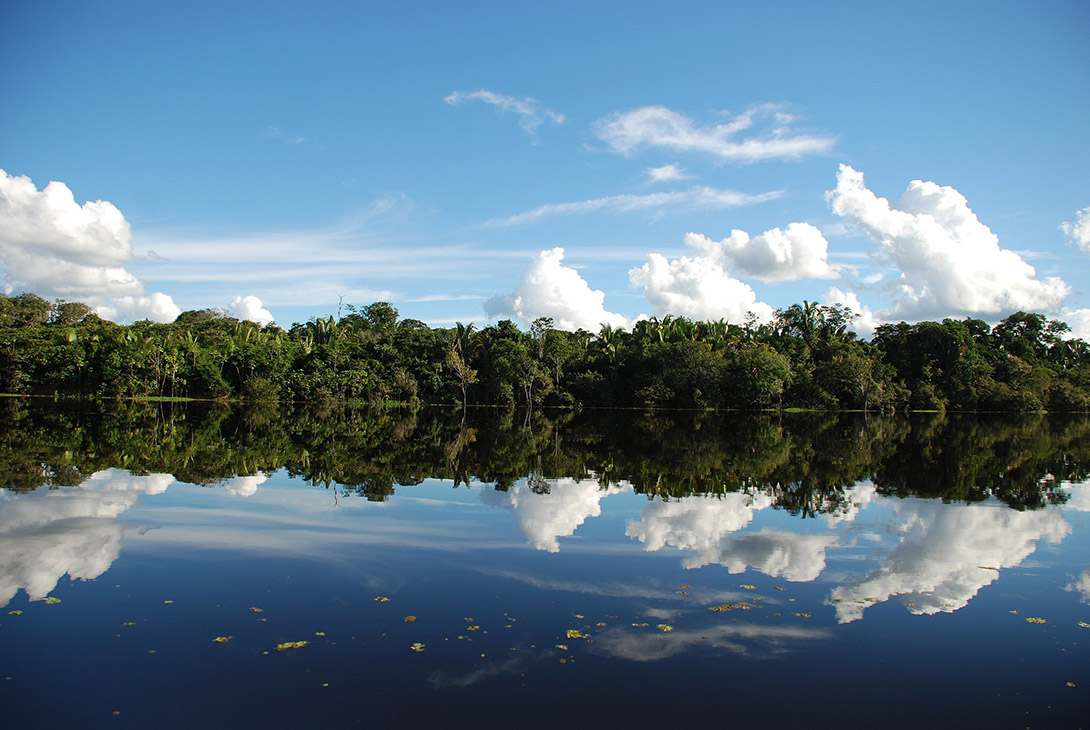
(657, 126)
(666, 173)
(530, 111)
(695, 198)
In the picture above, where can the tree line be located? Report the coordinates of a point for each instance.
(807, 357)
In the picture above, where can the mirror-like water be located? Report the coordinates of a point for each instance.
(222, 569)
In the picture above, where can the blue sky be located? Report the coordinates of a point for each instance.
(273, 158)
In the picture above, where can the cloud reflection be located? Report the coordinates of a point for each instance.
(46, 534)
(545, 516)
(946, 554)
(751, 640)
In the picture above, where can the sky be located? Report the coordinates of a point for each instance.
(591, 162)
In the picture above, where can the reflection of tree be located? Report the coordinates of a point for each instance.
(805, 463)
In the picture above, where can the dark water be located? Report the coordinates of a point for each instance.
(570, 571)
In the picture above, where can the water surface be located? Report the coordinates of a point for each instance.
(340, 570)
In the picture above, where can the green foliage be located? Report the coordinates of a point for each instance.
(805, 358)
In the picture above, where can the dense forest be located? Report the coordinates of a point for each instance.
(805, 358)
(806, 462)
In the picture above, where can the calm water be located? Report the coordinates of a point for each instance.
(771, 573)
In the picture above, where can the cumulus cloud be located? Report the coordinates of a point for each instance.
(657, 126)
(698, 287)
(865, 322)
(545, 517)
(947, 553)
(550, 289)
(700, 197)
(1079, 231)
(47, 534)
(951, 264)
(530, 112)
(1079, 322)
(54, 247)
(705, 526)
(800, 252)
(249, 308)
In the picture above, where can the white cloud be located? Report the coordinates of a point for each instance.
(951, 263)
(705, 526)
(800, 252)
(697, 287)
(244, 486)
(700, 197)
(865, 322)
(531, 113)
(666, 173)
(1082, 585)
(54, 247)
(544, 518)
(249, 308)
(1079, 231)
(47, 534)
(947, 553)
(1079, 322)
(656, 126)
(550, 289)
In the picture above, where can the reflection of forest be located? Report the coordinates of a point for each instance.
(805, 462)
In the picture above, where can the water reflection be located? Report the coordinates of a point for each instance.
(47, 534)
(944, 554)
(548, 509)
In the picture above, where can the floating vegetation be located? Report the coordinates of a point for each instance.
(749, 587)
(988, 567)
(802, 615)
(255, 609)
(579, 615)
(600, 624)
(222, 639)
(473, 628)
(1035, 620)
(382, 599)
(51, 599)
(409, 619)
(1084, 625)
(291, 645)
(778, 588)
(16, 612)
(643, 624)
(319, 633)
(128, 623)
(562, 647)
(665, 628)
(744, 605)
(684, 587)
(417, 647)
(164, 602)
(576, 634)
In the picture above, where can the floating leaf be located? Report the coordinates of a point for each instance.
(319, 633)
(600, 623)
(576, 634)
(683, 593)
(579, 615)
(382, 599)
(168, 602)
(777, 588)
(1034, 620)
(665, 627)
(1084, 625)
(51, 599)
(744, 605)
(562, 647)
(684, 586)
(291, 645)
(803, 615)
(409, 619)
(643, 624)
(1070, 684)
(748, 587)
(910, 603)
(255, 609)
(988, 567)
(128, 623)
(222, 639)
(473, 628)
(1015, 611)
(417, 647)
(15, 613)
